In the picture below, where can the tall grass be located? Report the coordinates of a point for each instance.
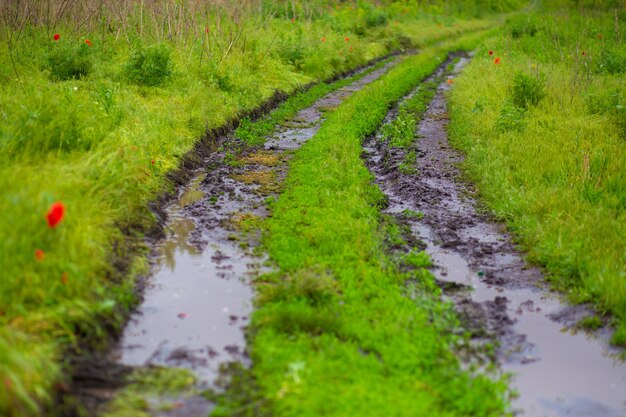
(555, 167)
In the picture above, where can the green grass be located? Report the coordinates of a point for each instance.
(337, 331)
(401, 131)
(545, 142)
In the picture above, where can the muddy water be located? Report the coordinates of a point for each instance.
(556, 372)
(198, 301)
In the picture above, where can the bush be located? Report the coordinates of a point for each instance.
(149, 66)
(66, 62)
(610, 61)
(375, 17)
(528, 90)
(522, 25)
(291, 49)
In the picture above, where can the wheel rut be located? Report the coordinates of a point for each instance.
(498, 296)
(198, 300)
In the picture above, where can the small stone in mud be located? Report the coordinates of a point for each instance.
(182, 315)
(219, 256)
(232, 349)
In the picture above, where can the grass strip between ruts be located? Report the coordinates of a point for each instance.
(335, 332)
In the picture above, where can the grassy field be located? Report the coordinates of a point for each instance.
(544, 132)
(99, 101)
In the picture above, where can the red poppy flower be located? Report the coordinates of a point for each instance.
(88, 42)
(64, 278)
(206, 30)
(293, 20)
(450, 81)
(152, 162)
(496, 61)
(346, 39)
(490, 53)
(56, 37)
(323, 38)
(40, 255)
(55, 214)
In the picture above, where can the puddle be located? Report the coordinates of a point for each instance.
(556, 372)
(197, 303)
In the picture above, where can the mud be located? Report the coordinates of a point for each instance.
(499, 297)
(197, 303)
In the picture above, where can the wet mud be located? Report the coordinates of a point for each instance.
(556, 371)
(198, 301)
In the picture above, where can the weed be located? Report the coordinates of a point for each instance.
(527, 90)
(375, 17)
(590, 323)
(511, 118)
(150, 66)
(417, 259)
(408, 164)
(522, 25)
(69, 61)
(611, 61)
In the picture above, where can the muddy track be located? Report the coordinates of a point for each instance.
(499, 297)
(197, 303)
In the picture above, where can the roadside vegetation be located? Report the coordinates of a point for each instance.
(541, 115)
(99, 101)
(344, 327)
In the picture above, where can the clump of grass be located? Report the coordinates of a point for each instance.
(69, 60)
(410, 214)
(409, 162)
(527, 90)
(402, 130)
(150, 66)
(152, 390)
(590, 323)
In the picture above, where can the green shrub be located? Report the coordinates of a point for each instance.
(149, 66)
(610, 61)
(291, 49)
(527, 90)
(66, 62)
(522, 25)
(375, 17)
